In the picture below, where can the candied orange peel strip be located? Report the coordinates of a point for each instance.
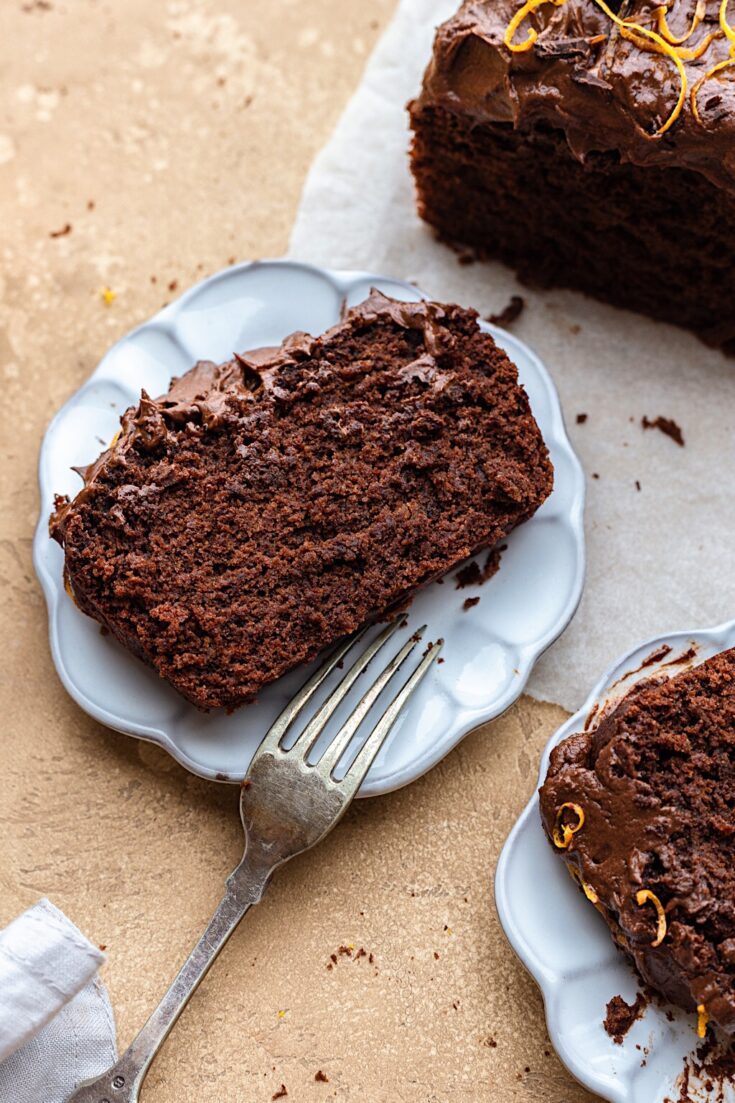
(663, 27)
(702, 1020)
(590, 893)
(645, 896)
(564, 833)
(510, 31)
(729, 34)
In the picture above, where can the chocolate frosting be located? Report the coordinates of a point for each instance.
(655, 781)
(608, 97)
(209, 393)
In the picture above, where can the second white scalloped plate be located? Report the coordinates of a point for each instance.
(489, 650)
(567, 947)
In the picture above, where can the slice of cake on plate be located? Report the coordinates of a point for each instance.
(642, 811)
(266, 507)
(589, 146)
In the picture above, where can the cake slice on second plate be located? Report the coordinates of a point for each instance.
(642, 811)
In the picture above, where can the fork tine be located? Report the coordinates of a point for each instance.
(316, 725)
(342, 739)
(283, 722)
(368, 752)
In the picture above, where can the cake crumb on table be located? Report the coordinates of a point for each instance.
(665, 425)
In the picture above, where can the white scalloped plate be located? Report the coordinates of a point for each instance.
(566, 946)
(489, 650)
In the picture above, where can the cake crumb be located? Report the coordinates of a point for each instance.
(581, 418)
(621, 1016)
(470, 602)
(665, 425)
(321, 1077)
(281, 1093)
(637, 484)
(65, 229)
(510, 313)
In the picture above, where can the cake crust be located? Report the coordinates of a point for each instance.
(264, 508)
(655, 781)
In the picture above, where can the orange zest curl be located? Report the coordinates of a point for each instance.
(694, 52)
(663, 27)
(590, 893)
(644, 896)
(564, 833)
(729, 34)
(632, 31)
(702, 1020)
(528, 8)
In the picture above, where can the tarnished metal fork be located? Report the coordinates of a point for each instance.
(287, 805)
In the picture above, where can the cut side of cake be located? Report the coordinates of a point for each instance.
(267, 507)
(642, 811)
(587, 154)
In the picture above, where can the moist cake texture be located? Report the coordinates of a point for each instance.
(591, 156)
(642, 811)
(266, 507)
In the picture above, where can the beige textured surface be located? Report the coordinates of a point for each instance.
(171, 137)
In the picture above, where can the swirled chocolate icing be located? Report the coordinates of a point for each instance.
(606, 96)
(656, 782)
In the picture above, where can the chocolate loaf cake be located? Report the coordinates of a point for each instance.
(642, 810)
(589, 146)
(266, 507)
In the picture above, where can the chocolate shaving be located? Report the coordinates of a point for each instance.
(563, 48)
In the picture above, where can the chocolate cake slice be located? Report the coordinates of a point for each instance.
(589, 146)
(642, 810)
(266, 507)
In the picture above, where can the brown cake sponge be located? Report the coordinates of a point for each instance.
(266, 507)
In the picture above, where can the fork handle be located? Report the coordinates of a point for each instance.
(122, 1083)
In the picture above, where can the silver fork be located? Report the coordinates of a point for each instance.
(287, 805)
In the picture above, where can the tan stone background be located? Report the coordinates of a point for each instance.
(171, 137)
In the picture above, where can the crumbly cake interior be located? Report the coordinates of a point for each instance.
(267, 507)
(598, 227)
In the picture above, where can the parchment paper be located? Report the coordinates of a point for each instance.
(659, 558)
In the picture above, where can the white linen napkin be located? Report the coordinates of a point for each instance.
(56, 1024)
(659, 557)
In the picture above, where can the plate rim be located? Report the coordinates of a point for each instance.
(548, 984)
(472, 718)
